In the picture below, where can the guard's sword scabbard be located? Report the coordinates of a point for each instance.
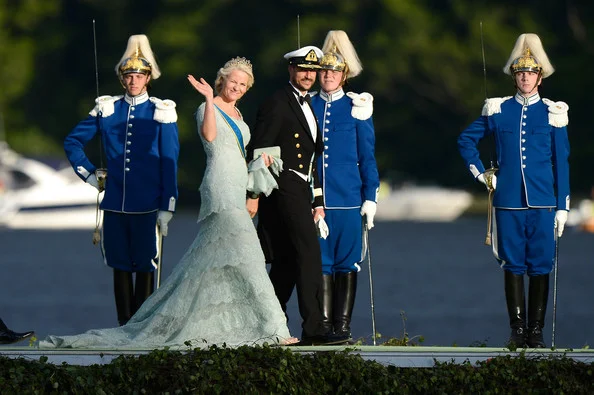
(159, 255)
(101, 172)
(488, 174)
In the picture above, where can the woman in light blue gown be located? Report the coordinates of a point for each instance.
(220, 291)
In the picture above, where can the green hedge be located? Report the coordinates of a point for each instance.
(275, 370)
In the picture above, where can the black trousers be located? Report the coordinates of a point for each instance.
(290, 241)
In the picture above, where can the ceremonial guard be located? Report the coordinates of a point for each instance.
(287, 218)
(139, 137)
(531, 185)
(349, 177)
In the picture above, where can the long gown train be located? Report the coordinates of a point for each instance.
(219, 292)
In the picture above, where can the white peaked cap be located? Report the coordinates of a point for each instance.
(306, 57)
(532, 42)
(139, 46)
(338, 40)
(301, 52)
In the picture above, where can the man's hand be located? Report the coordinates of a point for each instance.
(560, 220)
(252, 206)
(318, 212)
(481, 178)
(163, 218)
(368, 209)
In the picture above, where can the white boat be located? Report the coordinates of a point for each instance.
(424, 203)
(582, 216)
(34, 195)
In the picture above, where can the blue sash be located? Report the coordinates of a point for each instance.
(235, 128)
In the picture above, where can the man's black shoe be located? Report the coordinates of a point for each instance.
(7, 336)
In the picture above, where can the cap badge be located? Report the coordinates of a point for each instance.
(311, 56)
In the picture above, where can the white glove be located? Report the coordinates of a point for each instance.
(369, 208)
(322, 228)
(560, 220)
(481, 178)
(163, 218)
(92, 180)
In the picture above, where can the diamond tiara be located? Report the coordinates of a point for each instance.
(238, 61)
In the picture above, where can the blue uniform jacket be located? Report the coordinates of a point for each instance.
(347, 168)
(532, 151)
(140, 141)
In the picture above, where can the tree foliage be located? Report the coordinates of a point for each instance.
(422, 59)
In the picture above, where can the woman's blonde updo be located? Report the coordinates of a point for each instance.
(238, 63)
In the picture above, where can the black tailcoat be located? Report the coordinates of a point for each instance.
(285, 222)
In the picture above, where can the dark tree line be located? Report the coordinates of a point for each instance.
(422, 62)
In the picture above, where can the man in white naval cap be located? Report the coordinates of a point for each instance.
(140, 140)
(531, 186)
(286, 226)
(349, 176)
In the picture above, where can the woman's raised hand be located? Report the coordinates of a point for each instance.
(201, 86)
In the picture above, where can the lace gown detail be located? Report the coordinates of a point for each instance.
(219, 292)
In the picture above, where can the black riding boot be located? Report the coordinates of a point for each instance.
(124, 295)
(327, 290)
(345, 288)
(538, 295)
(144, 288)
(516, 308)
